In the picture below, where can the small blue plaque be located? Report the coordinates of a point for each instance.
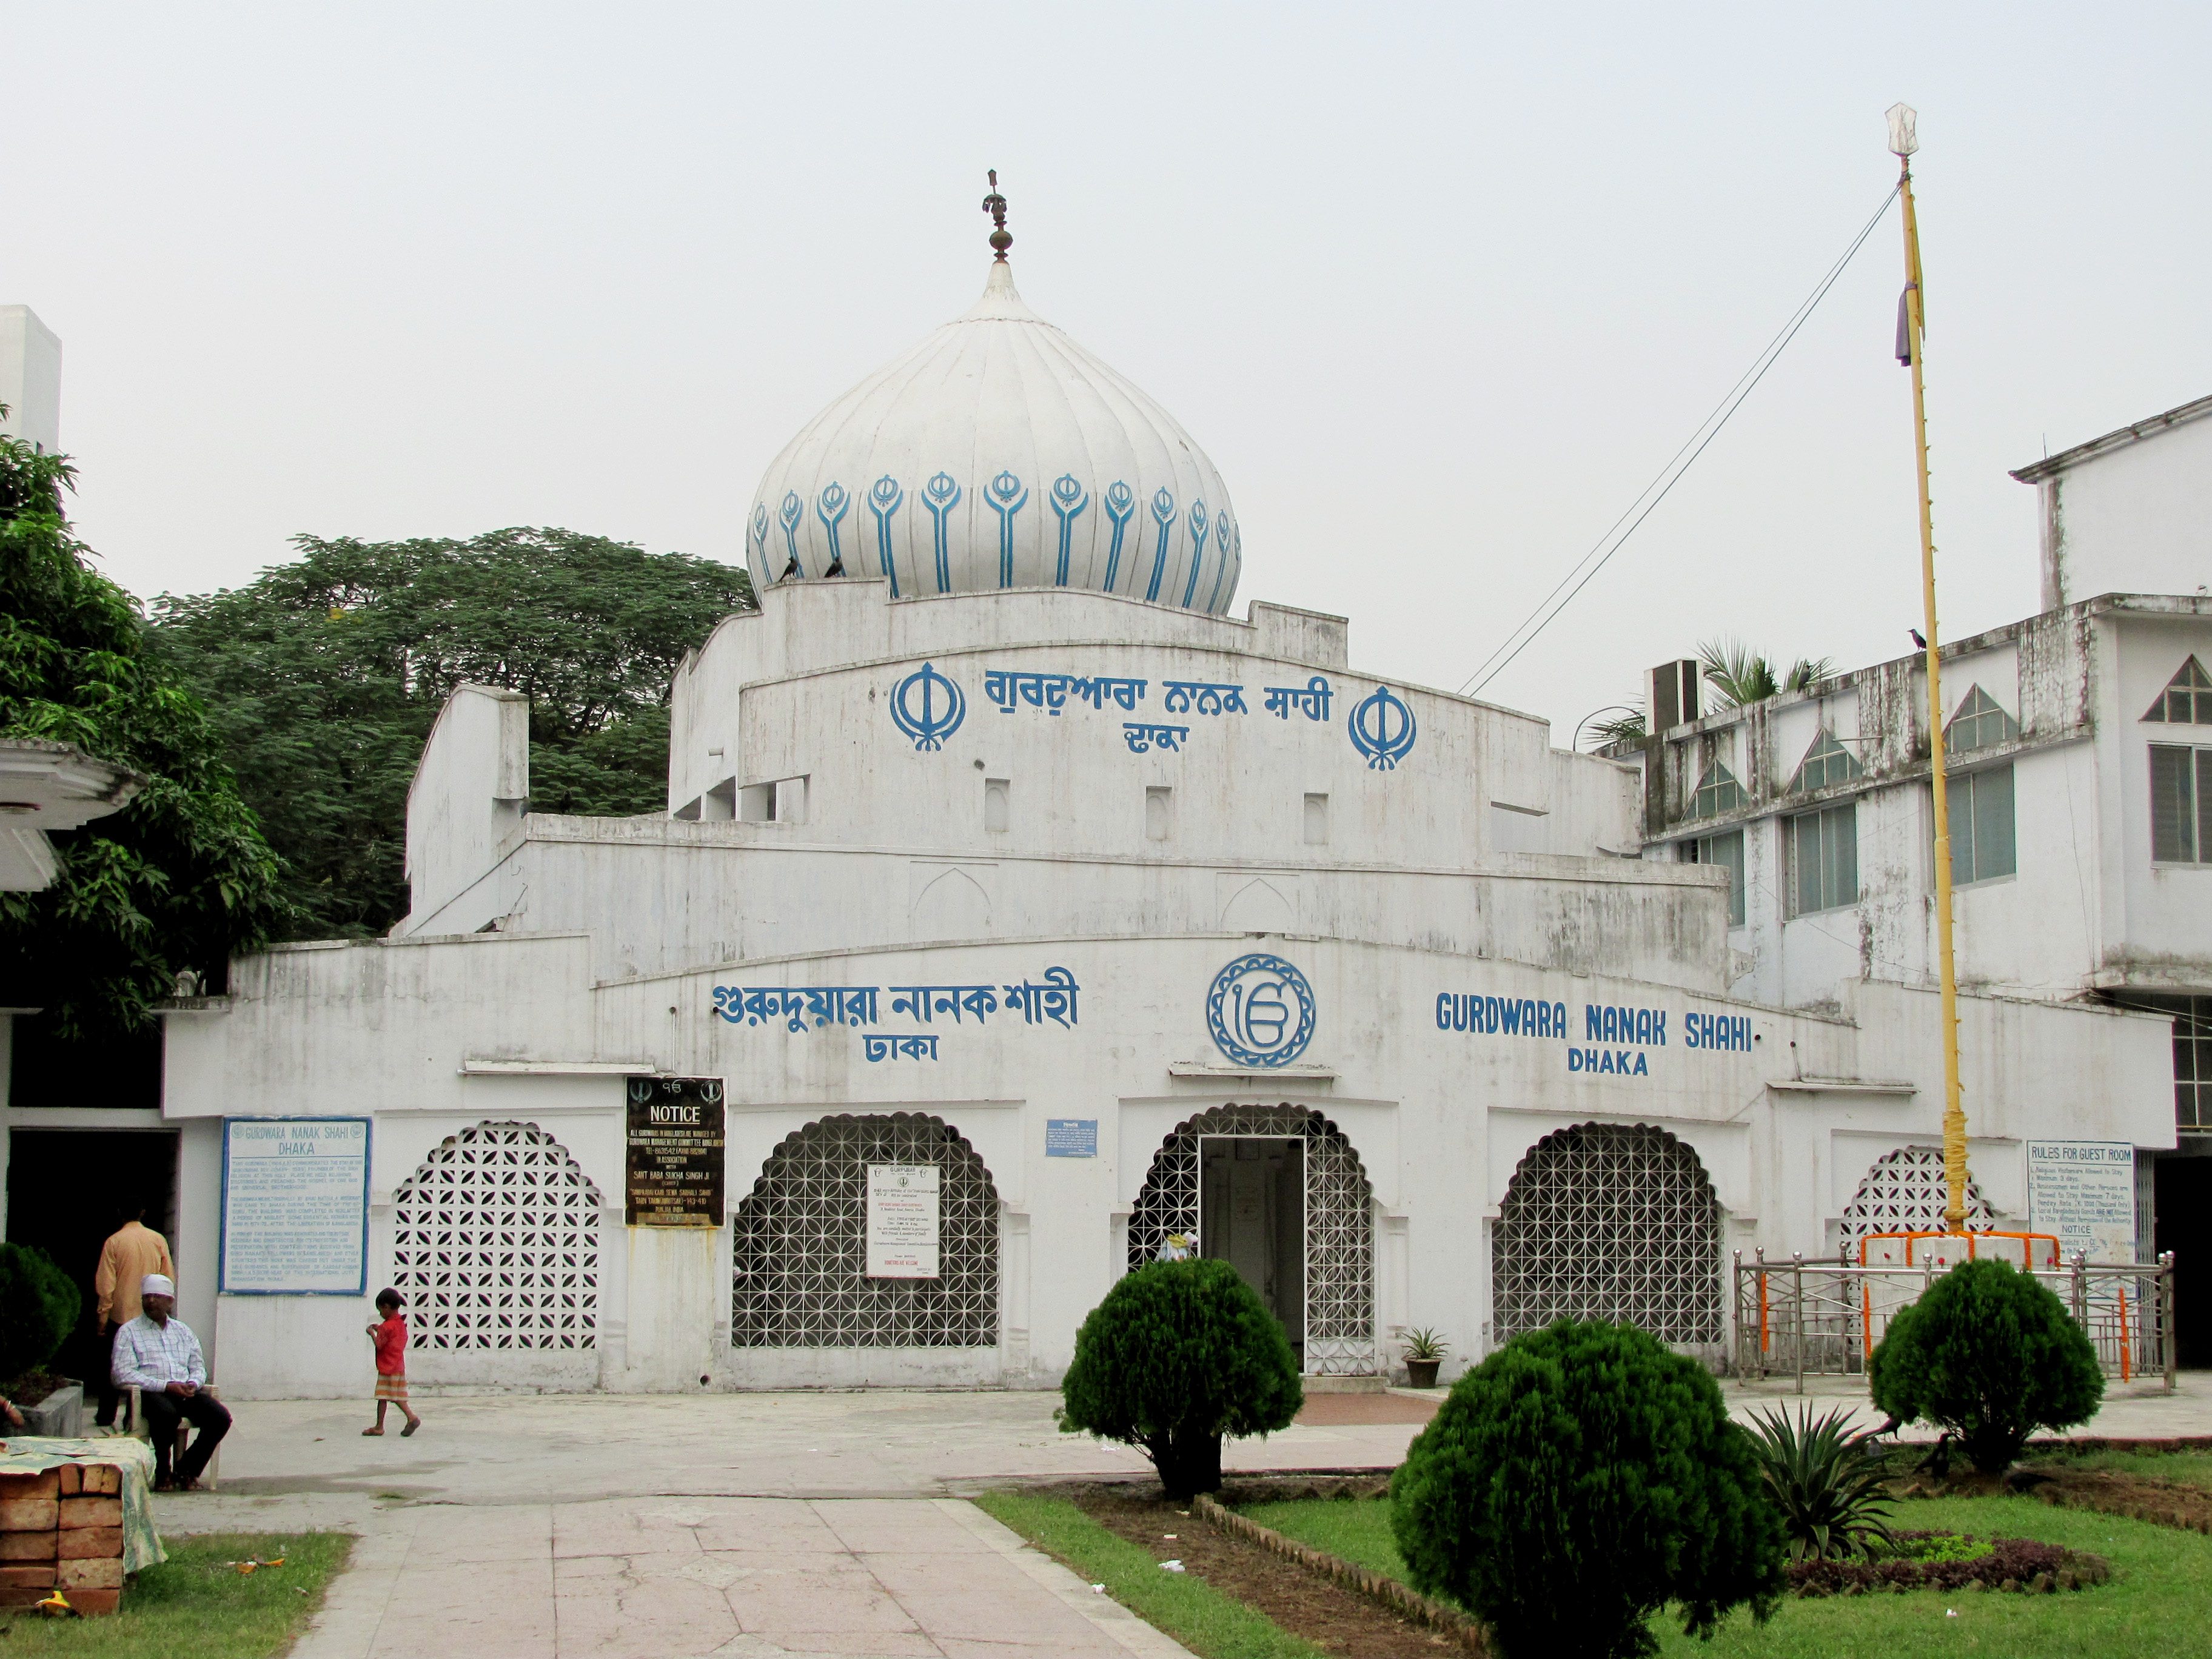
(1071, 1136)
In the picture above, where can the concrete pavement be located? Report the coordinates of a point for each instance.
(647, 1527)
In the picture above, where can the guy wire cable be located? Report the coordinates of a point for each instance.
(1668, 475)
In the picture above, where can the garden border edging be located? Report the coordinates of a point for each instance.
(1375, 1586)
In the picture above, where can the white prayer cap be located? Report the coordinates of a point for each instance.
(156, 1284)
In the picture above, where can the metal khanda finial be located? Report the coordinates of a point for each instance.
(995, 205)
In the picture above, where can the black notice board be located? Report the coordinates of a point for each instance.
(676, 1157)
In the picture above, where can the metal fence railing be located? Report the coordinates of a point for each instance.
(1800, 1319)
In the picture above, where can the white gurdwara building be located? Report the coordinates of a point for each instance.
(1017, 909)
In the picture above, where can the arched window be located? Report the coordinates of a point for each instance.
(496, 1243)
(1905, 1192)
(1604, 1221)
(799, 1243)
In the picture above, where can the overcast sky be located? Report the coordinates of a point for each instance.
(1439, 289)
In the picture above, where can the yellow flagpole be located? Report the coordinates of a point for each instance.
(1903, 142)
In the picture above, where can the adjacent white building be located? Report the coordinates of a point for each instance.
(2079, 743)
(1019, 910)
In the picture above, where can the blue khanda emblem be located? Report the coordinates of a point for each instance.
(1260, 1011)
(928, 708)
(1383, 729)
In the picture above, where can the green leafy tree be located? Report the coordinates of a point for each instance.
(1991, 1355)
(182, 876)
(1179, 1354)
(326, 676)
(39, 1307)
(1575, 1483)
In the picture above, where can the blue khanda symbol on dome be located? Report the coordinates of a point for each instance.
(1007, 496)
(761, 522)
(1260, 1010)
(1120, 506)
(1197, 550)
(1225, 543)
(794, 510)
(928, 708)
(1069, 498)
(1382, 728)
(831, 507)
(941, 496)
(884, 498)
(1163, 515)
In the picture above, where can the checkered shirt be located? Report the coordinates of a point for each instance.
(149, 1355)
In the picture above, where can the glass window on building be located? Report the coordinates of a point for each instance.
(2180, 803)
(1717, 792)
(2187, 699)
(1980, 723)
(1981, 847)
(1726, 850)
(1824, 859)
(1826, 763)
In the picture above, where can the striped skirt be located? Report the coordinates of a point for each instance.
(392, 1386)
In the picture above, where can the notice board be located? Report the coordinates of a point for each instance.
(902, 1221)
(295, 1207)
(2084, 1191)
(674, 1169)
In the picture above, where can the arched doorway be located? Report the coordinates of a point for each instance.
(1905, 1192)
(1280, 1191)
(496, 1244)
(799, 1243)
(1604, 1221)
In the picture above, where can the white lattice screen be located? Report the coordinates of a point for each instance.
(1905, 1192)
(496, 1243)
(1608, 1222)
(800, 1244)
(1340, 1338)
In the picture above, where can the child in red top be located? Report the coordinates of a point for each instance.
(391, 1339)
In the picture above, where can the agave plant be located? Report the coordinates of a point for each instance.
(1826, 1482)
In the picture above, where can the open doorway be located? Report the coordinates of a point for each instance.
(66, 1189)
(1252, 1214)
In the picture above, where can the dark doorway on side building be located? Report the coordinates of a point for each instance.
(64, 1188)
(2185, 1226)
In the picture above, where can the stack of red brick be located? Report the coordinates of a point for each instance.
(63, 1527)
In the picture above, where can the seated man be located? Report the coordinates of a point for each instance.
(157, 1354)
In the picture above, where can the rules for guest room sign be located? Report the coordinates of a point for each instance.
(675, 1152)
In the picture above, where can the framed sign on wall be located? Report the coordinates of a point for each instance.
(673, 1167)
(295, 1207)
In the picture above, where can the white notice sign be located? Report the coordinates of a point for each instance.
(295, 1207)
(2084, 1191)
(902, 1221)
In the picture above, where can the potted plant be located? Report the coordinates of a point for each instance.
(1424, 1351)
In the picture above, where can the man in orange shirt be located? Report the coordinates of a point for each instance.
(131, 1252)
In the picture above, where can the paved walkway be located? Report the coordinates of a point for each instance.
(650, 1527)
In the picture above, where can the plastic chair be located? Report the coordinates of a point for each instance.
(135, 1425)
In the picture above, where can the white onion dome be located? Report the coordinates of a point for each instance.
(999, 453)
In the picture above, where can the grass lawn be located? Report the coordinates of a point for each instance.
(2160, 1600)
(194, 1607)
(1210, 1624)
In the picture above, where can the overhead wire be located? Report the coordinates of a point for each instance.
(1668, 475)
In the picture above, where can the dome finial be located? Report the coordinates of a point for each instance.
(995, 205)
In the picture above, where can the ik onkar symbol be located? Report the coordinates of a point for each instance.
(1260, 1011)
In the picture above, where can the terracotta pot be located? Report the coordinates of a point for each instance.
(1422, 1373)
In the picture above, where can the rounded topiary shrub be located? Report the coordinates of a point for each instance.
(1179, 1354)
(1576, 1481)
(38, 1306)
(1991, 1355)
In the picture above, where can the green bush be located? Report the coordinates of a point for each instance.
(38, 1306)
(1991, 1355)
(1576, 1481)
(1826, 1482)
(1179, 1354)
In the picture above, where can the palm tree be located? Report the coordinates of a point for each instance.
(1743, 677)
